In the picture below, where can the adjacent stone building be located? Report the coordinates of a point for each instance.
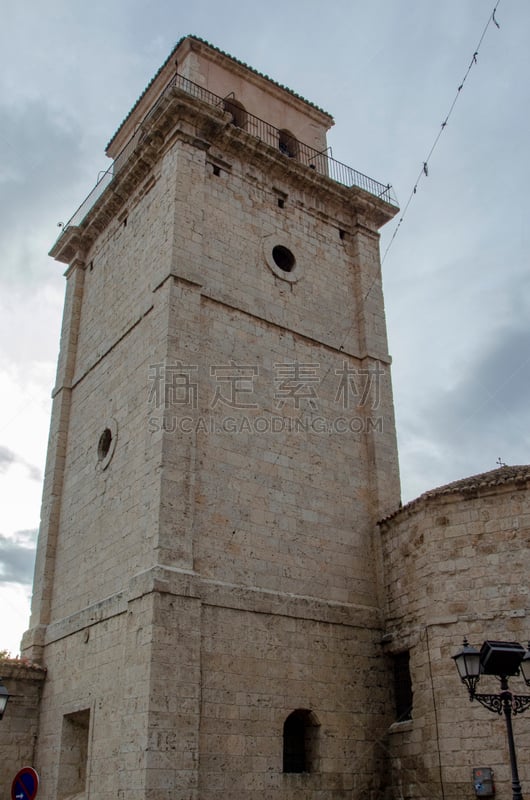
(19, 725)
(455, 564)
(218, 612)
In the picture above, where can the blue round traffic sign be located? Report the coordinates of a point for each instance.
(25, 784)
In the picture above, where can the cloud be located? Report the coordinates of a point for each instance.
(17, 557)
(8, 459)
(490, 401)
(482, 415)
(47, 170)
(42, 152)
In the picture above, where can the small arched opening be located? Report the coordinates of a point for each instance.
(288, 144)
(237, 110)
(300, 742)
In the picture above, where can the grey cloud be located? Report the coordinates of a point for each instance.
(486, 414)
(8, 458)
(496, 387)
(42, 163)
(17, 557)
(39, 144)
(34, 473)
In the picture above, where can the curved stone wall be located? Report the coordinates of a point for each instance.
(455, 563)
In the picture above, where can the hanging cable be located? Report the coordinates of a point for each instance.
(424, 172)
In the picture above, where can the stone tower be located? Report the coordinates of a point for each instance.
(222, 445)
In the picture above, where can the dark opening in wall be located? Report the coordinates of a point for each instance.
(288, 144)
(300, 739)
(105, 441)
(107, 444)
(237, 110)
(402, 686)
(283, 258)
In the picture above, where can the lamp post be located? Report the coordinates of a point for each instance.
(4, 697)
(504, 660)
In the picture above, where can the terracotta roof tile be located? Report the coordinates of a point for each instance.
(227, 55)
(484, 480)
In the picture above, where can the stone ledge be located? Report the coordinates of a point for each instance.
(166, 580)
(21, 669)
(401, 727)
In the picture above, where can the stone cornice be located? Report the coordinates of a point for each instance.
(180, 116)
(21, 669)
(166, 72)
(181, 583)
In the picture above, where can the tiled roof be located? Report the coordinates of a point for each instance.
(227, 55)
(484, 480)
(495, 477)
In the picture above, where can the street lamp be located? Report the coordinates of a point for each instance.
(4, 697)
(502, 659)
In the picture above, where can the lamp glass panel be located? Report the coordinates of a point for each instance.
(525, 667)
(468, 662)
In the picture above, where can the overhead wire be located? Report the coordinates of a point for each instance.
(424, 171)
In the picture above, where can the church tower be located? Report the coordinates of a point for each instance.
(222, 444)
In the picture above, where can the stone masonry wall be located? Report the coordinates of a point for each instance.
(455, 565)
(19, 725)
(196, 562)
(255, 669)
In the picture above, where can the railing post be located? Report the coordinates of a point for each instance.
(265, 132)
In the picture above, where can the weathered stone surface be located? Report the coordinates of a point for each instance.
(222, 446)
(455, 564)
(19, 726)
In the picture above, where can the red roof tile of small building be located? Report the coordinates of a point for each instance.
(466, 486)
(227, 55)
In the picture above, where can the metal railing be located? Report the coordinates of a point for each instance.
(287, 143)
(281, 140)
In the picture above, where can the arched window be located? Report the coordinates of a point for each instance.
(237, 109)
(288, 144)
(300, 740)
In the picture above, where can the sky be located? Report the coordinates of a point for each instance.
(456, 277)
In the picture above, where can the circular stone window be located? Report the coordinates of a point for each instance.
(105, 441)
(281, 259)
(107, 444)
